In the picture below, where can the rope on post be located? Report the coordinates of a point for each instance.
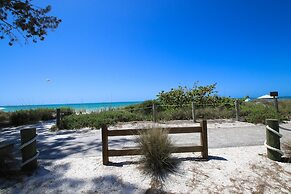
(31, 159)
(270, 147)
(272, 142)
(25, 145)
(273, 131)
(284, 128)
(28, 149)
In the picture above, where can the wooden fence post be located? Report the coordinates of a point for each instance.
(30, 150)
(193, 112)
(273, 140)
(105, 145)
(58, 117)
(276, 104)
(204, 139)
(154, 113)
(237, 110)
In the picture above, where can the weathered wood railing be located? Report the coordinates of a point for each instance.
(28, 150)
(203, 147)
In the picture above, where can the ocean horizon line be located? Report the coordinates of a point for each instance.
(71, 103)
(90, 106)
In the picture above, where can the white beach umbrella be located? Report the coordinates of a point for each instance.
(266, 97)
(247, 100)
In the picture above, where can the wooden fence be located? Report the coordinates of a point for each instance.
(203, 147)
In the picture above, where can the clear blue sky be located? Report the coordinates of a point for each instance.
(126, 50)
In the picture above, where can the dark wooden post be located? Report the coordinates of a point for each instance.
(237, 110)
(154, 113)
(275, 95)
(273, 140)
(193, 112)
(276, 104)
(204, 139)
(58, 117)
(105, 145)
(30, 150)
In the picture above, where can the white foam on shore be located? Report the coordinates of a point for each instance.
(1, 108)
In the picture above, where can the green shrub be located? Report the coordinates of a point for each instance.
(184, 113)
(258, 113)
(97, 120)
(156, 161)
(144, 108)
(215, 113)
(23, 117)
(4, 116)
(285, 108)
(67, 111)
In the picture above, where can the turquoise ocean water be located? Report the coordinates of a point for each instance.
(85, 106)
(81, 106)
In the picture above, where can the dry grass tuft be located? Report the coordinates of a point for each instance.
(157, 162)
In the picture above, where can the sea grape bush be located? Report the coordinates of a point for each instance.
(200, 95)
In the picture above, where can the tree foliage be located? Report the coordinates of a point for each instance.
(21, 17)
(184, 95)
(200, 95)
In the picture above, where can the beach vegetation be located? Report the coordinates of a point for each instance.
(259, 112)
(199, 95)
(96, 120)
(65, 111)
(23, 117)
(4, 116)
(144, 108)
(156, 160)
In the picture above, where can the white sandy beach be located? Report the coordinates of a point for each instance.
(229, 170)
(76, 166)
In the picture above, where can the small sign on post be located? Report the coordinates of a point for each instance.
(275, 95)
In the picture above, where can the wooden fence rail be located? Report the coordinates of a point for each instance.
(203, 147)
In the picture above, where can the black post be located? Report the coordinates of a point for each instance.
(58, 117)
(28, 151)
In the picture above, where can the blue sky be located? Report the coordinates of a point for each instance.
(128, 50)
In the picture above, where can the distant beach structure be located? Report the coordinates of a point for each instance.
(81, 106)
(267, 96)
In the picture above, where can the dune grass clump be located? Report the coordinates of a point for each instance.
(23, 117)
(4, 116)
(258, 113)
(157, 161)
(97, 120)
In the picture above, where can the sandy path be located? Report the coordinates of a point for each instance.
(229, 170)
(86, 142)
(70, 162)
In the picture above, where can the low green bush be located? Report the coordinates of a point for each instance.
(285, 108)
(184, 113)
(258, 113)
(4, 116)
(65, 111)
(97, 120)
(23, 117)
(144, 108)
(215, 113)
